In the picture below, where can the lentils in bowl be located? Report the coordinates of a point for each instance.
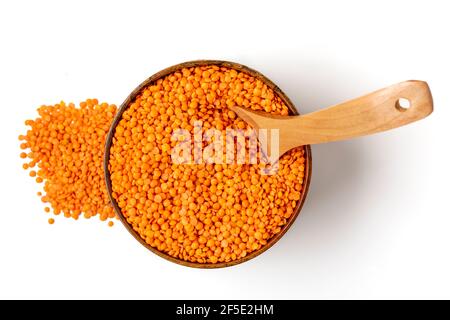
(200, 214)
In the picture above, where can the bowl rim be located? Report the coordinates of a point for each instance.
(124, 106)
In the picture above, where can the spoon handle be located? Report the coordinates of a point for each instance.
(375, 112)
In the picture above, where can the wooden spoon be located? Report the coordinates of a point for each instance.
(378, 111)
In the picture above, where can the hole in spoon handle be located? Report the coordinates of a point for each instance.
(415, 97)
(402, 104)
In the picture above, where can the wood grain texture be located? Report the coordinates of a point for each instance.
(375, 112)
(124, 106)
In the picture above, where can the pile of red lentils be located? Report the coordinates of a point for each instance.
(203, 213)
(64, 149)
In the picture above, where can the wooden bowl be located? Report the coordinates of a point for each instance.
(161, 74)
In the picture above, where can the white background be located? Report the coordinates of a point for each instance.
(376, 223)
